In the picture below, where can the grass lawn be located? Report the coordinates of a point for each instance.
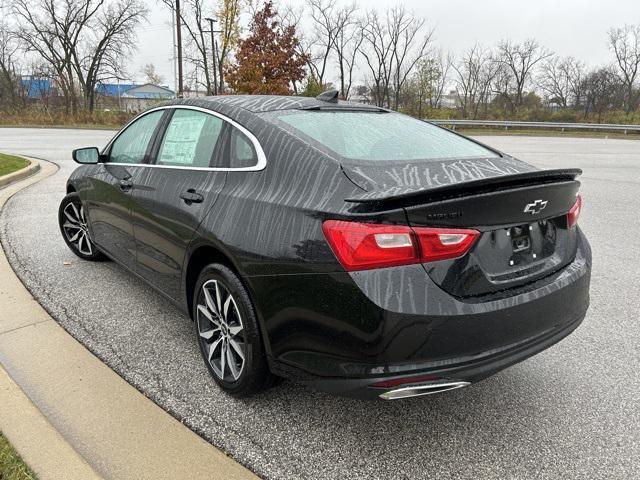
(72, 126)
(9, 164)
(11, 465)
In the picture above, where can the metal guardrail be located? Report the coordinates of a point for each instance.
(547, 125)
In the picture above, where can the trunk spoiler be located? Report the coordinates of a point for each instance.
(441, 192)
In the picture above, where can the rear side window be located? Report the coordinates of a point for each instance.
(131, 144)
(378, 136)
(190, 139)
(243, 154)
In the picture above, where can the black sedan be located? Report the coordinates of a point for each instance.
(346, 246)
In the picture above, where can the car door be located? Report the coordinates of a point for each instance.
(108, 196)
(171, 197)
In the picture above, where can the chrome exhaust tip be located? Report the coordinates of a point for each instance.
(418, 390)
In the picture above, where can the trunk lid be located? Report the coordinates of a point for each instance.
(521, 213)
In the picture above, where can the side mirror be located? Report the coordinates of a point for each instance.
(87, 155)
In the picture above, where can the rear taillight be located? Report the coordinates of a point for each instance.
(363, 246)
(444, 243)
(360, 246)
(574, 213)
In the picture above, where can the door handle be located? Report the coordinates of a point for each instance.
(191, 196)
(125, 185)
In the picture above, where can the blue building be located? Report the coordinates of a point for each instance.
(132, 97)
(36, 87)
(113, 89)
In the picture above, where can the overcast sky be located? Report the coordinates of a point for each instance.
(568, 27)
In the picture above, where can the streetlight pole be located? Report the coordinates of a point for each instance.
(213, 51)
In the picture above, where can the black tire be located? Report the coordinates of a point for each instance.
(73, 227)
(233, 329)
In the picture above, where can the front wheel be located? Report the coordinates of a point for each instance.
(73, 225)
(228, 333)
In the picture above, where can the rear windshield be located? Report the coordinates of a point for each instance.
(381, 136)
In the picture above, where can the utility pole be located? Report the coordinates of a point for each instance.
(118, 87)
(174, 58)
(213, 50)
(179, 41)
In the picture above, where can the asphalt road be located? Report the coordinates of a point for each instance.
(571, 412)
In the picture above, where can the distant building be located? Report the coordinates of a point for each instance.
(450, 100)
(113, 89)
(36, 87)
(132, 97)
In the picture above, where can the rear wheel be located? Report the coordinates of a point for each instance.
(228, 333)
(73, 225)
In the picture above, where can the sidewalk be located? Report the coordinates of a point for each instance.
(69, 416)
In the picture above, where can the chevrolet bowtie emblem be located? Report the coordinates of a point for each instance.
(535, 207)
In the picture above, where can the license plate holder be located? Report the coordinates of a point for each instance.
(521, 243)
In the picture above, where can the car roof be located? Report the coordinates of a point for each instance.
(268, 103)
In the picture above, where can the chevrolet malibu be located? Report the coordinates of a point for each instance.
(352, 248)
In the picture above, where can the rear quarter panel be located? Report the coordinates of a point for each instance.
(270, 221)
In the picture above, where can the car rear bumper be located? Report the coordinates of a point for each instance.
(459, 373)
(362, 328)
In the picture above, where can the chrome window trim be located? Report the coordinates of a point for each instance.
(262, 158)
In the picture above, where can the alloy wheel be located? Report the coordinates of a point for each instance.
(75, 228)
(221, 331)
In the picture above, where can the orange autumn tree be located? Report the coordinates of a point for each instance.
(267, 61)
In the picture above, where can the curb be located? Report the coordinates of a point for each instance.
(69, 415)
(32, 169)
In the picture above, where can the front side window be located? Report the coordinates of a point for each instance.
(190, 139)
(378, 136)
(131, 145)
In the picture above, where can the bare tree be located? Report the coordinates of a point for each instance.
(198, 44)
(108, 39)
(475, 74)
(488, 73)
(443, 64)
(49, 28)
(324, 16)
(576, 71)
(467, 73)
(600, 87)
(560, 80)
(195, 15)
(502, 88)
(151, 75)
(9, 52)
(554, 81)
(430, 78)
(84, 41)
(519, 60)
(228, 16)
(377, 54)
(290, 16)
(625, 44)
(392, 47)
(409, 42)
(347, 42)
